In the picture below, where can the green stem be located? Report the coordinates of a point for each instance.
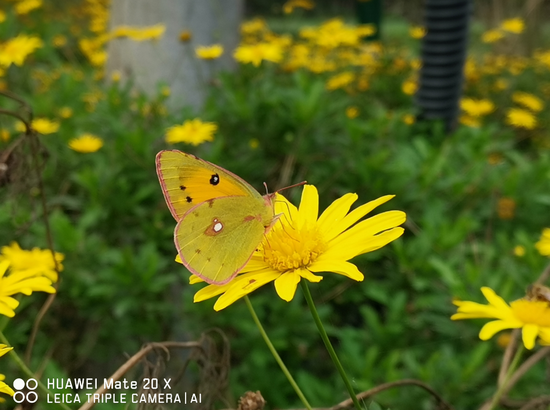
(503, 387)
(328, 345)
(276, 355)
(15, 357)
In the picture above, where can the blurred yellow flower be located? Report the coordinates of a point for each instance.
(45, 126)
(23, 281)
(515, 25)
(185, 35)
(409, 119)
(492, 36)
(504, 339)
(165, 91)
(417, 32)
(253, 143)
(40, 125)
(40, 259)
(521, 118)
(59, 40)
(4, 135)
(352, 112)
(209, 52)
(193, 132)
(519, 251)
(543, 245)
(65, 112)
(16, 49)
(256, 53)
(501, 84)
(495, 158)
(253, 26)
(409, 86)
(26, 6)
(86, 143)
(470, 121)
(4, 388)
(2, 16)
(476, 108)
(506, 208)
(115, 76)
(340, 80)
(154, 32)
(528, 100)
(363, 84)
(290, 5)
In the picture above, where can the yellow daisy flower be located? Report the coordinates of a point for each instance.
(417, 32)
(40, 259)
(193, 132)
(20, 281)
(86, 143)
(528, 100)
(492, 36)
(209, 52)
(4, 388)
(16, 49)
(409, 87)
(290, 5)
(543, 245)
(476, 108)
(352, 112)
(26, 6)
(301, 244)
(532, 316)
(520, 118)
(40, 125)
(254, 54)
(340, 80)
(515, 26)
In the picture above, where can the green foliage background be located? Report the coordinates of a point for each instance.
(120, 286)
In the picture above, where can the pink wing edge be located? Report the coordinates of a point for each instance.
(193, 271)
(163, 184)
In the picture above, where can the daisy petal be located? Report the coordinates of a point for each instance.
(370, 227)
(309, 205)
(343, 268)
(529, 335)
(245, 285)
(544, 334)
(362, 242)
(306, 274)
(335, 213)
(286, 284)
(494, 299)
(489, 329)
(284, 208)
(354, 216)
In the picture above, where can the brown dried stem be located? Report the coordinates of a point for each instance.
(132, 361)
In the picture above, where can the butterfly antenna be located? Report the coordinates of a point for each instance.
(291, 186)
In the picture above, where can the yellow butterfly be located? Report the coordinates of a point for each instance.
(221, 218)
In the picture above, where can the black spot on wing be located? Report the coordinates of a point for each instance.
(182, 187)
(215, 179)
(189, 199)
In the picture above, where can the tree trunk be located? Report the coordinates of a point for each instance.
(169, 60)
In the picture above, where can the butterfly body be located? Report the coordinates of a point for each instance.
(221, 218)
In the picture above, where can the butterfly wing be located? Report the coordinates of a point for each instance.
(216, 238)
(187, 181)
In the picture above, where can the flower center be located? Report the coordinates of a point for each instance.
(532, 311)
(288, 248)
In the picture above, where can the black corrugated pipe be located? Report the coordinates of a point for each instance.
(443, 57)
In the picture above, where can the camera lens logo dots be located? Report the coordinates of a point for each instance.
(20, 396)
